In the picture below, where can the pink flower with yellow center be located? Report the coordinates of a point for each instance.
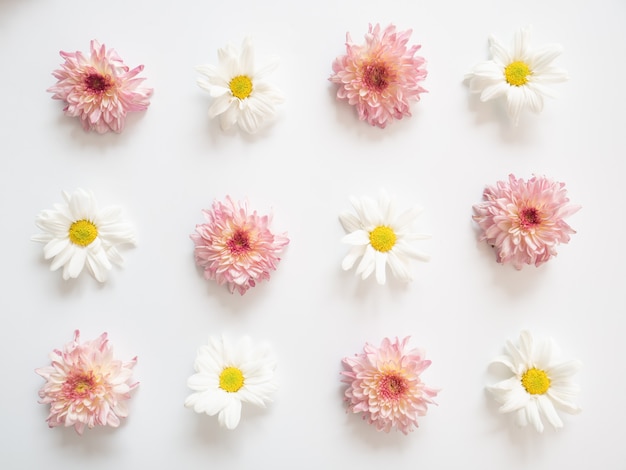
(85, 385)
(382, 76)
(99, 89)
(384, 384)
(524, 220)
(236, 247)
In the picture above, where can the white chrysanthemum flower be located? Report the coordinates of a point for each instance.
(241, 95)
(381, 236)
(77, 233)
(520, 73)
(540, 384)
(229, 374)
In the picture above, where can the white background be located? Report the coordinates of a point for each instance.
(172, 161)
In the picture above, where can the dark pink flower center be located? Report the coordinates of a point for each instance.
(392, 386)
(79, 385)
(529, 217)
(239, 243)
(376, 76)
(96, 83)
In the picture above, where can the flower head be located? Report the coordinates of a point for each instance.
(524, 220)
(540, 384)
(384, 384)
(381, 236)
(520, 73)
(99, 88)
(228, 374)
(236, 247)
(382, 76)
(77, 233)
(241, 94)
(85, 385)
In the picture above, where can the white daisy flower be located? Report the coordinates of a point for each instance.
(77, 233)
(240, 93)
(520, 73)
(540, 384)
(229, 374)
(381, 236)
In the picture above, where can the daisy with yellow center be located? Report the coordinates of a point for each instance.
(380, 236)
(228, 374)
(241, 94)
(519, 73)
(540, 385)
(78, 234)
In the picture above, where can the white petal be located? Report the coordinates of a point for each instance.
(221, 105)
(398, 267)
(532, 414)
(55, 246)
(355, 253)
(548, 411)
(515, 103)
(231, 414)
(381, 263)
(521, 43)
(562, 402)
(367, 264)
(494, 91)
(498, 51)
(349, 222)
(229, 117)
(516, 399)
(358, 238)
(77, 262)
(543, 57)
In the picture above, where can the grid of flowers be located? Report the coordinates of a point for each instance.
(523, 220)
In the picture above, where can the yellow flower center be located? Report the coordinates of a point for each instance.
(231, 379)
(535, 381)
(82, 232)
(82, 387)
(382, 238)
(241, 86)
(516, 73)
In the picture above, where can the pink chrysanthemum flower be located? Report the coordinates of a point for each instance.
(99, 88)
(524, 220)
(384, 384)
(236, 247)
(380, 77)
(86, 385)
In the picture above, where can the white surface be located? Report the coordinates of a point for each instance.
(172, 161)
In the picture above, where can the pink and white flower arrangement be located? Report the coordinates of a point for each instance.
(519, 73)
(99, 89)
(524, 220)
(539, 383)
(381, 77)
(236, 246)
(384, 383)
(86, 386)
